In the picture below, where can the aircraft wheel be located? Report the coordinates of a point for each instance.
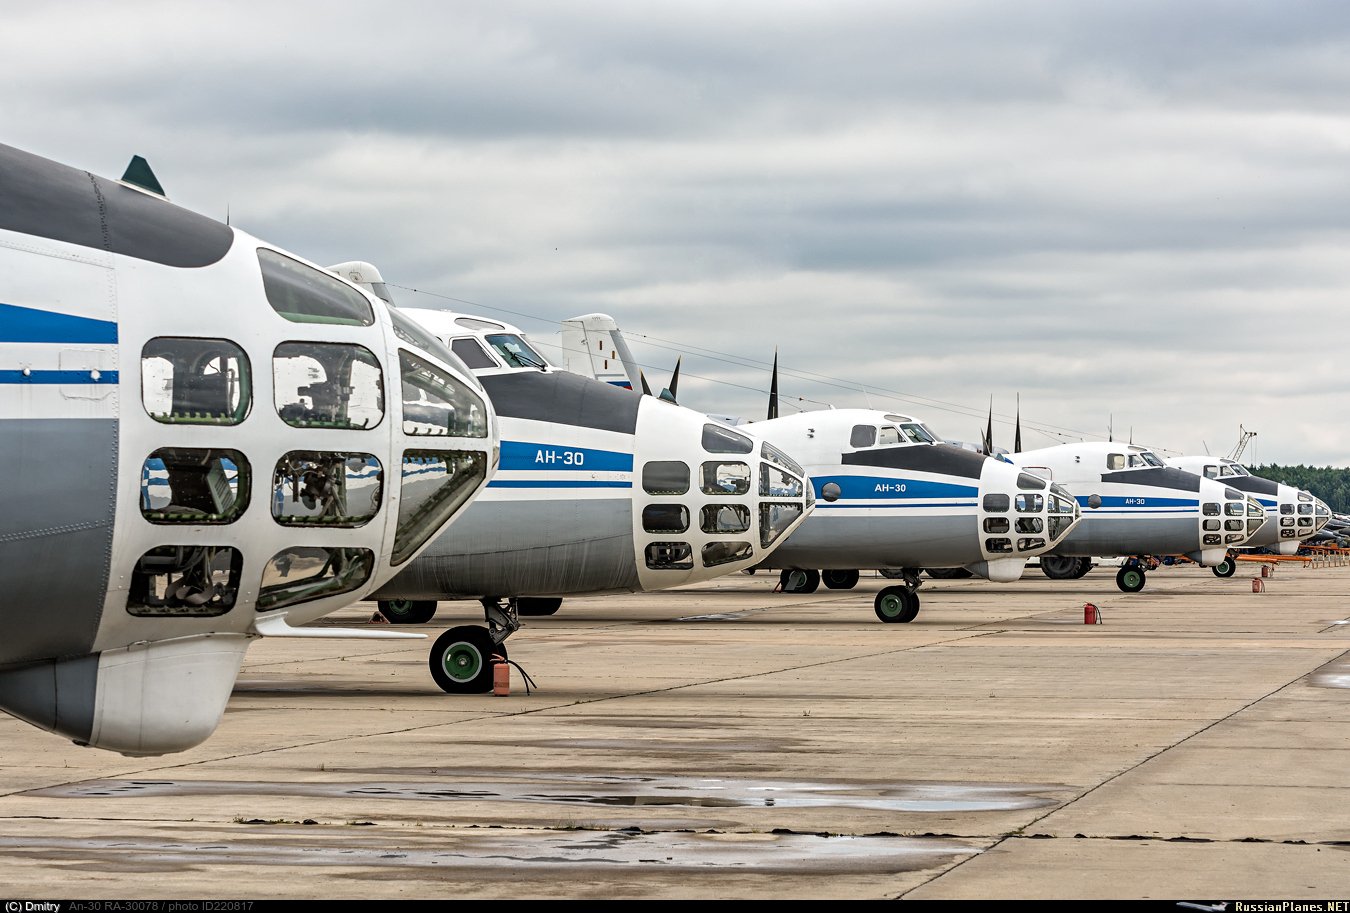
(1225, 568)
(461, 660)
(407, 611)
(1059, 567)
(798, 580)
(1130, 579)
(1084, 565)
(839, 580)
(534, 606)
(896, 604)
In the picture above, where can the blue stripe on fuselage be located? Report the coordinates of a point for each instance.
(20, 324)
(871, 488)
(522, 455)
(57, 377)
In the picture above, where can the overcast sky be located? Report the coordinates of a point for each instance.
(1136, 216)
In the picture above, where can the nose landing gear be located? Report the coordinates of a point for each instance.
(461, 658)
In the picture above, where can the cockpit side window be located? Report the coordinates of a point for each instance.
(303, 294)
(472, 353)
(888, 435)
(1226, 472)
(515, 351)
(863, 436)
(1152, 459)
(1137, 461)
(1115, 461)
(918, 434)
(1211, 472)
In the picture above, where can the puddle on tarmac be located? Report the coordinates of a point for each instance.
(603, 790)
(716, 616)
(796, 853)
(1335, 674)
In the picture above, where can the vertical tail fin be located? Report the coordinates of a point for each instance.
(593, 346)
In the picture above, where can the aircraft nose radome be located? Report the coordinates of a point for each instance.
(708, 499)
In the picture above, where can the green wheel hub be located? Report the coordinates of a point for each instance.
(1133, 578)
(891, 606)
(462, 661)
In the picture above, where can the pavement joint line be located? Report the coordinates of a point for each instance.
(1116, 776)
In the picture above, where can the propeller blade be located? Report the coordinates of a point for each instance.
(668, 394)
(773, 388)
(646, 390)
(989, 431)
(1017, 434)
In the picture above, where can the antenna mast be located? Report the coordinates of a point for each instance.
(1243, 438)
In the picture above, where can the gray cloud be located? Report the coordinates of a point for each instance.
(1132, 215)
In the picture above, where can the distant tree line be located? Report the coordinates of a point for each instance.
(1330, 484)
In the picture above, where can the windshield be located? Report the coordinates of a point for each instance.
(918, 433)
(515, 351)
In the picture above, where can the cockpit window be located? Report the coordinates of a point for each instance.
(473, 323)
(435, 484)
(303, 294)
(863, 436)
(1211, 472)
(888, 435)
(773, 454)
(720, 439)
(1240, 470)
(1152, 459)
(320, 488)
(436, 404)
(1226, 472)
(918, 433)
(412, 332)
(472, 353)
(302, 573)
(327, 385)
(1115, 461)
(515, 351)
(195, 381)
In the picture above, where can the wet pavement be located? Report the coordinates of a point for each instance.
(726, 741)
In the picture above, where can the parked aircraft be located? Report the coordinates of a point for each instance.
(889, 494)
(1292, 516)
(201, 447)
(600, 491)
(1136, 506)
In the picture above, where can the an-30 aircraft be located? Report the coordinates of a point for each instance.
(1136, 506)
(1292, 515)
(889, 493)
(204, 441)
(599, 491)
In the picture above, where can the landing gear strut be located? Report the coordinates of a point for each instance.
(461, 658)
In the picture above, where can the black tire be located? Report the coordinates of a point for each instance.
(461, 660)
(534, 606)
(948, 573)
(1084, 565)
(1130, 579)
(799, 580)
(407, 611)
(1225, 568)
(896, 604)
(839, 580)
(1060, 567)
(892, 573)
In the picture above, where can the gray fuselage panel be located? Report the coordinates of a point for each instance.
(526, 548)
(57, 503)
